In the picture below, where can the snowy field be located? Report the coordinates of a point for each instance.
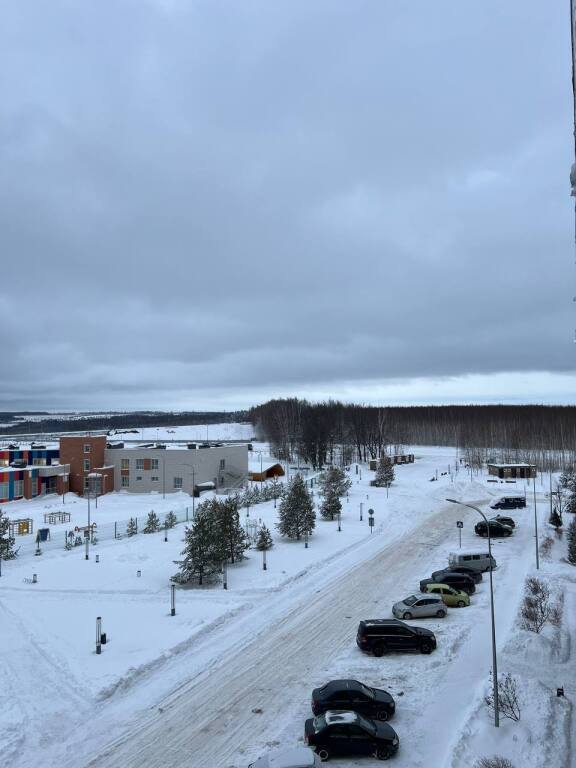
(232, 672)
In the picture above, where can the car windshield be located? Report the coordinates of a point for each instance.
(319, 723)
(411, 600)
(367, 725)
(367, 691)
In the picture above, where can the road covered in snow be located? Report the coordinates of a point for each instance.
(234, 677)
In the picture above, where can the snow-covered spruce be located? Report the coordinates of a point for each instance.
(152, 523)
(384, 473)
(170, 520)
(296, 510)
(132, 527)
(572, 542)
(7, 542)
(202, 552)
(264, 539)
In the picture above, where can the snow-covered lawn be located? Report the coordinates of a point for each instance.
(50, 674)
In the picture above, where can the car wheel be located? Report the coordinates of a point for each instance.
(461, 603)
(441, 614)
(382, 714)
(425, 648)
(407, 615)
(323, 754)
(383, 754)
(484, 535)
(379, 650)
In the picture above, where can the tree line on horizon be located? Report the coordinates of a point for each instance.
(333, 432)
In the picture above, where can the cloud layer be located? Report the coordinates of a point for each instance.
(204, 203)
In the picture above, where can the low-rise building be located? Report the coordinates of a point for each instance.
(513, 471)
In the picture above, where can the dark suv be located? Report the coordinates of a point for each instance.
(380, 636)
(457, 580)
(355, 696)
(496, 529)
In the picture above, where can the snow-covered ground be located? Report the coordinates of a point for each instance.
(180, 691)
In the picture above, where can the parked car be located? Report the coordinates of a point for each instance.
(380, 636)
(509, 502)
(496, 529)
(457, 580)
(450, 596)
(420, 607)
(479, 561)
(504, 520)
(295, 757)
(476, 576)
(341, 732)
(354, 696)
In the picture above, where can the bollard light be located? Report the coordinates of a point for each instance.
(172, 600)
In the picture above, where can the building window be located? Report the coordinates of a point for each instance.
(125, 464)
(178, 483)
(38, 462)
(86, 483)
(18, 488)
(125, 482)
(4, 490)
(154, 479)
(87, 448)
(86, 465)
(33, 487)
(222, 463)
(153, 463)
(138, 477)
(139, 463)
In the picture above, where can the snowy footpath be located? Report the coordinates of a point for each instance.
(231, 674)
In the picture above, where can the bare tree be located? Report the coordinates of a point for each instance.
(537, 608)
(508, 702)
(493, 762)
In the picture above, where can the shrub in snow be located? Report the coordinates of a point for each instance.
(384, 473)
(170, 520)
(7, 542)
(132, 527)
(493, 762)
(546, 546)
(152, 523)
(508, 703)
(568, 480)
(555, 519)
(537, 608)
(571, 503)
(202, 551)
(296, 510)
(572, 542)
(264, 539)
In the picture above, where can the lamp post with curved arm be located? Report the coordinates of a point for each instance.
(494, 663)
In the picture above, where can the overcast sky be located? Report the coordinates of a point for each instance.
(207, 204)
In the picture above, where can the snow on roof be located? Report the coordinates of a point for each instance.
(254, 465)
(492, 464)
(340, 716)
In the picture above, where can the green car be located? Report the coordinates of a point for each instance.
(450, 596)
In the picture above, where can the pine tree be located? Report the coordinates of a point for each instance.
(296, 510)
(202, 551)
(152, 523)
(335, 481)
(385, 472)
(264, 540)
(331, 506)
(571, 504)
(572, 542)
(132, 527)
(7, 542)
(228, 529)
(170, 520)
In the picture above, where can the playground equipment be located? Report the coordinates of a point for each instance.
(56, 517)
(21, 527)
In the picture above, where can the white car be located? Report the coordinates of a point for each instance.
(296, 757)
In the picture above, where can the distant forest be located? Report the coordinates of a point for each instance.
(132, 420)
(326, 432)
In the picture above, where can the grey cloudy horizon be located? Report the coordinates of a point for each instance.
(207, 204)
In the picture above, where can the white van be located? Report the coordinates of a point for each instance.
(477, 561)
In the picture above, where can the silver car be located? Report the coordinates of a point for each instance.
(420, 607)
(296, 757)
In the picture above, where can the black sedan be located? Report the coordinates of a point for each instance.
(497, 530)
(455, 580)
(355, 696)
(476, 576)
(344, 733)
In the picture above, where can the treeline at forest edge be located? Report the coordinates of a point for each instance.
(332, 432)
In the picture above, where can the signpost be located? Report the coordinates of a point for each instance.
(459, 525)
(371, 520)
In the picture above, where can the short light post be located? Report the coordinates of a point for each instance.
(306, 539)
(494, 660)
(165, 530)
(225, 574)
(339, 521)
(361, 507)
(264, 566)
(98, 635)
(172, 600)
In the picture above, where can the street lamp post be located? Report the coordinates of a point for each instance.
(191, 466)
(536, 527)
(494, 661)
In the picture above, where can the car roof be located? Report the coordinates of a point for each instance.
(428, 596)
(334, 716)
(440, 584)
(339, 685)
